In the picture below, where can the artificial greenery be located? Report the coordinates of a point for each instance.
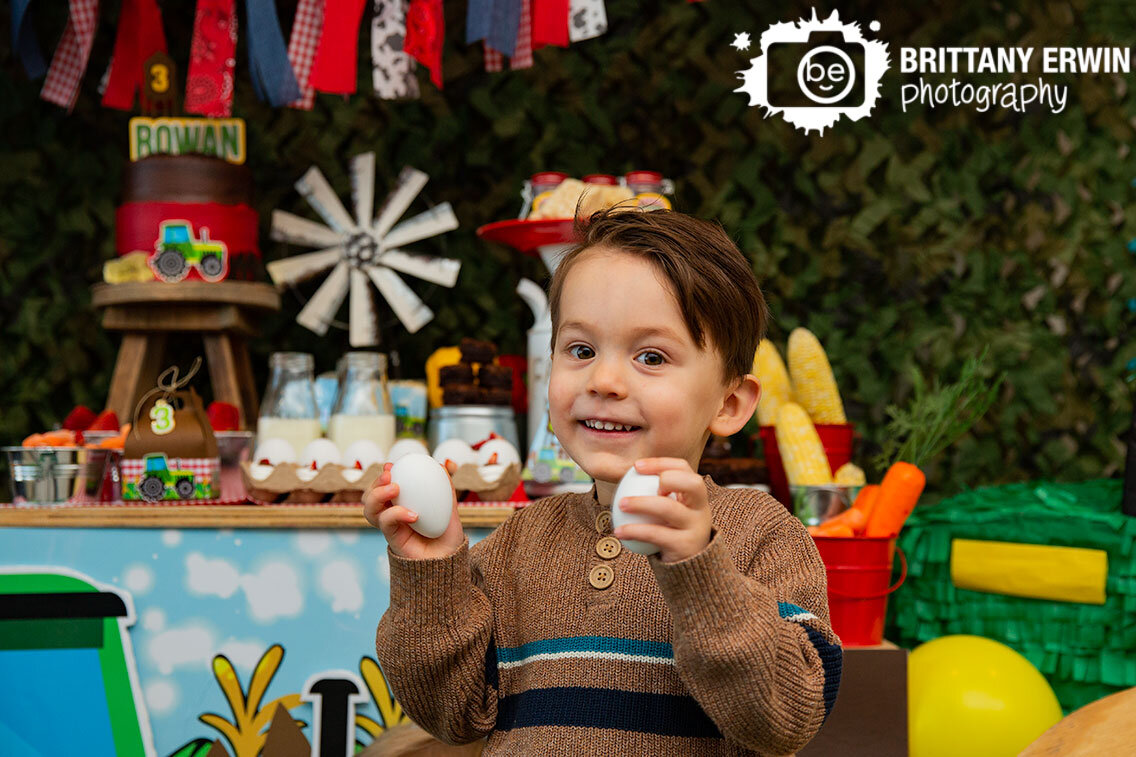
(937, 415)
(904, 240)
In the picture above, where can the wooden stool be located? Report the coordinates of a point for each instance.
(149, 313)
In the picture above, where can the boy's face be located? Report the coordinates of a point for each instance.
(623, 355)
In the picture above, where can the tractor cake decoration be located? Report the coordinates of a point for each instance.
(176, 252)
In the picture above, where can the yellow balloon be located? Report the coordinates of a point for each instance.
(972, 696)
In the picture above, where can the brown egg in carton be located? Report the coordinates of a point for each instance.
(283, 483)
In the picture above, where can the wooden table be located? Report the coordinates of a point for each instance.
(153, 314)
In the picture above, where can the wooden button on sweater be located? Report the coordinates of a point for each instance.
(608, 547)
(601, 576)
(603, 522)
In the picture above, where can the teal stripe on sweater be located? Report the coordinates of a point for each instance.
(585, 644)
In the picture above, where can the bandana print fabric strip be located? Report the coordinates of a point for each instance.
(334, 69)
(140, 35)
(271, 71)
(587, 19)
(70, 60)
(522, 56)
(549, 23)
(306, 29)
(425, 32)
(477, 15)
(392, 69)
(212, 58)
(24, 41)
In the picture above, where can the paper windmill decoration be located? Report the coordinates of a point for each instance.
(361, 251)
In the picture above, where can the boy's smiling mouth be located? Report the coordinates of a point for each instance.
(608, 427)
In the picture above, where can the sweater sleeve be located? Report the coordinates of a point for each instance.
(755, 649)
(434, 641)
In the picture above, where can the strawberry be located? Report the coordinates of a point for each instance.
(107, 421)
(223, 416)
(79, 419)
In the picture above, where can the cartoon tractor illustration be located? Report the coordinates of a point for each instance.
(158, 476)
(176, 251)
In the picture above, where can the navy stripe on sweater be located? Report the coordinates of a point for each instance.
(583, 707)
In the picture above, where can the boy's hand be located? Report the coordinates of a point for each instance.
(684, 526)
(394, 522)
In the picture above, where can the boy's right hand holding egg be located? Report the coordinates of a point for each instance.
(394, 520)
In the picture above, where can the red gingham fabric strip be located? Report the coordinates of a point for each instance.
(494, 61)
(522, 57)
(306, 29)
(70, 60)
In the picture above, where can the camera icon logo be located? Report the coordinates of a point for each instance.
(815, 72)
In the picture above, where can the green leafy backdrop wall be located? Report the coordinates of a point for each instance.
(906, 241)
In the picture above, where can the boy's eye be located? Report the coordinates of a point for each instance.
(581, 352)
(651, 358)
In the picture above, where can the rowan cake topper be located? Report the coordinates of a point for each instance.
(362, 251)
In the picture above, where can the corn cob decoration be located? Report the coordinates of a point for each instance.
(849, 474)
(801, 450)
(774, 379)
(814, 386)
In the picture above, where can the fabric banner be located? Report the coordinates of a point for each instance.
(140, 35)
(522, 55)
(334, 68)
(24, 41)
(425, 33)
(503, 23)
(70, 60)
(549, 23)
(306, 29)
(271, 71)
(392, 68)
(212, 58)
(587, 19)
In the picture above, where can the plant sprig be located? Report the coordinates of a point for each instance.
(937, 415)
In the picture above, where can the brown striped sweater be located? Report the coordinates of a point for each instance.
(728, 652)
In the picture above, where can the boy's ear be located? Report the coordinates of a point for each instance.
(737, 407)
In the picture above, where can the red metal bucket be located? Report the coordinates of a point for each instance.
(837, 441)
(859, 582)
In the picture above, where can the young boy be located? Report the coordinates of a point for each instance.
(552, 638)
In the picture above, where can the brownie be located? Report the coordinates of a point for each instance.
(474, 351)
(452, 375)
(497, 396)
(494, 376)
(734, 470)
(460, 394)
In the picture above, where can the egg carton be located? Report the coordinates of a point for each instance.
(283, 484)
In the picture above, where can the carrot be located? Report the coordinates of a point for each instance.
(853, 518)
(835, 530)
(898, 494)
(866, 499)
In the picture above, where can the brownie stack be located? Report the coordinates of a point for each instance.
(477, 379)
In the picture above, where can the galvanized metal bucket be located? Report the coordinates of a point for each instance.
(54, 475)
(816, 504)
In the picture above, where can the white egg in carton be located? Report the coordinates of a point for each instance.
(321, 473)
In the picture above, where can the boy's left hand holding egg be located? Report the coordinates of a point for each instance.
(684, 522)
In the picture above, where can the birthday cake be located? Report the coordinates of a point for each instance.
(191, 217)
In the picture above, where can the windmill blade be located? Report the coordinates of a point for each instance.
(363, 188)
(437, 220)
(410, 183)
(319, 194)
(364, 324)
(293, 229)
(403, 301)
(442, 271)
(318, 314)
(302, 267)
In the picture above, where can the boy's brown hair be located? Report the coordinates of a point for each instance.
(711, 280)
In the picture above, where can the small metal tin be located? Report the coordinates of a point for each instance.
(473, 423)
(53, 475)
(815, 504)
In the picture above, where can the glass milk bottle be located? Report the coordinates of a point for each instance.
(289, 409)
(362, 407)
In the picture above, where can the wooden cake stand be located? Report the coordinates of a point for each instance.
(223, 314)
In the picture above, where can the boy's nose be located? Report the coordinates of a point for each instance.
(606, 379)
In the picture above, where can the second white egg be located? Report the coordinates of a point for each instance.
(634, 484)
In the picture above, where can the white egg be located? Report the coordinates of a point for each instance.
(634, 484)
(351, 475)
(506, 452)
(457, 450)
(275, 450)
(364, 452)
(261, 472)
(424, 487)
(320, 452)
(406, 447)
(306, 474)
(491, 474)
